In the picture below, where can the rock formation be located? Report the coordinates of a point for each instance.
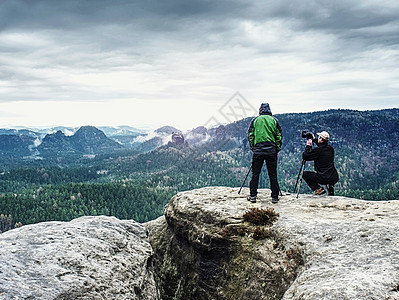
(87, 258)
(319, 248)
(178, 138)
(203, 250)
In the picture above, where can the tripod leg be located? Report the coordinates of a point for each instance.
(300, 181)
(245, 179)
(299, 174)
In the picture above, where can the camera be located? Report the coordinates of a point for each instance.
(307, 135)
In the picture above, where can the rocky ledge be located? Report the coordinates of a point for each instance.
(87, 258)
(319, 248)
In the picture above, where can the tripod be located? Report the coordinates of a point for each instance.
(281, 194)
(245, 179)
(299, 178)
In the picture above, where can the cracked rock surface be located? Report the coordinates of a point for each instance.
(87, 258)
(349, 248)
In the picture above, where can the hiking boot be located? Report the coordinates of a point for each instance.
(330, 188)
(274, 200)
(251, 199)
(320, 191)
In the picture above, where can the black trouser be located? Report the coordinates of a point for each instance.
(271, 164)
(314, 180)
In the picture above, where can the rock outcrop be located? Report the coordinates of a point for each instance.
(87, 258)
(178, 138)
(319, 248)
(86, 140)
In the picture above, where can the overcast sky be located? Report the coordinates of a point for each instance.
(178, 62)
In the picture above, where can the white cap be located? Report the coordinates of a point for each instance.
(324, 135)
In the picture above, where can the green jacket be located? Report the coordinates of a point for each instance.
(264, 133)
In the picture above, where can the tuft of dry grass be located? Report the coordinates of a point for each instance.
(260, 233)
(260, 216)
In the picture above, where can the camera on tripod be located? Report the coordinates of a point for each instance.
(307, 135)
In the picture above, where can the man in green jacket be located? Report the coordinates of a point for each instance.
(265, 139)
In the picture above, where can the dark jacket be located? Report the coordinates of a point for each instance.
(264, 133)
(323, 156)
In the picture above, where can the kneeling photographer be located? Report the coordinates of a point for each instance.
(323, 157)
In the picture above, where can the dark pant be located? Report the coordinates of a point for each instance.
(271, 164)
(314, 180)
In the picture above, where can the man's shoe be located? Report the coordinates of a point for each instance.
(251, 199)
(320, 191)
(330, 188)
(274, 200)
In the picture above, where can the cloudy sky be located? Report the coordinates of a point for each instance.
(179, 62)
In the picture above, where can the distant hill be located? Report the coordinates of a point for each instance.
(167, 130)
(56, 142)
(19, 132)
(23, 144)
(155, 139)
(16, 146)
(87, 140)
(348, 128)
(117, 131)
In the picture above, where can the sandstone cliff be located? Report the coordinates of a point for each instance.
(87, 258)
(319, 248)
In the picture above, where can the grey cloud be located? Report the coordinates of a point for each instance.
(72, 13)
(347, 19)
(313, 14)
(124, 23)
(100, 35)
(328, 15)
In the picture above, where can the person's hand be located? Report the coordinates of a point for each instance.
(309, 142)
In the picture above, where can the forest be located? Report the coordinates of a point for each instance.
(132, 185)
